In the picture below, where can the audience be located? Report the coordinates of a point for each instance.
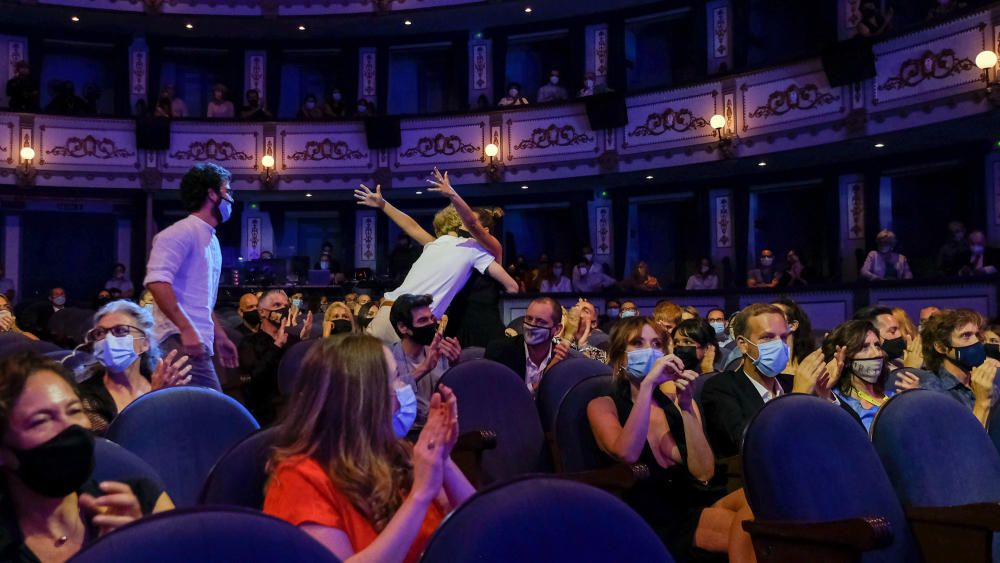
(338, 468)
(800, 339)
(365, 109)
(884, 263)
(765, 274)
(339, 319)
(64, 99)
(579, 324)
(588, 86)
(310, 110)
(7, 288)
(981, 260)
(555, 281)
(365, 315)
(640, 279)
(704, 278)
(120, 282)
(695, 343)
(954, 254)
(898, 350)
(552, 91)
(590, 278)
(8, 322)
(531, 354)
(254, 110)
(402, 257)
(178, 108)
(728, 350)
(926, 313)
(219, 107)
(874, 21)
(22, 89)
(513, 97)
(249, 315)
(796, 273)
(906, 327)
(335, 108)
(666, 314)
(53, 507)
(612, 308)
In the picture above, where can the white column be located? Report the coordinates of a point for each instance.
(138, 72)
(366, 239)
(12, 250)
(597, 55)
(255, 75)
(852, 224)
(719, 21)
(368, 74)
(480, 71)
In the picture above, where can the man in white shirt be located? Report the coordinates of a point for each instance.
(533, 353)
(183, 273)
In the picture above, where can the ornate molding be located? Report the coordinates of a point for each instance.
(440, 144)
(669, 120)
(89, 146)
(794, 97)
(928, 66)
(553, 136)
(211, 150)
(326, 149)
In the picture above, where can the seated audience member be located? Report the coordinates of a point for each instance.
(402, 257)
(335, 108)
(249, 315)
(945, 8)
(728, 350)
(578, 326)
(422, 355)
(884, 263)
(351, 300)
(704, 278)
(926, 313)
(991, 340)
(898, 350)
(146, 301)
(764, 275)
(365, 315)
(53, 507)
(363, 299)
(863, 378)
(612, 308)
(514, 96)
(731, 398)
(120, 282)
(796, 274)
(162, 108)
(695, 343)
(666, 314)
(640, 279)
(297, 306)
(954, 254)
(254, 110)
(689, 312)
(103, 298)
(339, 319)
(589, 85)
(906, 327)
(178, 109)
(339, 469)
(23, 89)
(130, 363)
(534, 352)
(266, 255)
(364, 109)
(310, 110)
(57, 297)
(261, 352)
(556, 281)
(954, 352)
(8, 322)
(552, 91)
(590, 278)
(326, 262)
(651, 418)
(800, 339)
(219, 107)
(64, 100)
(6, 285)
(981, 260)
(874, 21)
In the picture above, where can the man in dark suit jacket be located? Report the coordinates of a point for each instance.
(532, 353)
(730, 399)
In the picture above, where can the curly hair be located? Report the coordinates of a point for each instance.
(938, 329)
(447, 221)
(199, 180)
(852, 335)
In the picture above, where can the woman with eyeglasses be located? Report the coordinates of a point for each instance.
(129, 363)
(8, 322)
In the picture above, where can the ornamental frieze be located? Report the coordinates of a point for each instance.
(794, 97)
(440, 144)
(327, 149)
(677, 121)
(928, 66)
(90, 147)
(211, 150)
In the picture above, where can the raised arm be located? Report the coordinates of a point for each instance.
(368, 198)
(496, 271)
(469, 219)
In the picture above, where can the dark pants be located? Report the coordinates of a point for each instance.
(202, 370)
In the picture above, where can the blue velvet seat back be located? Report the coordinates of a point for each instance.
(575, 445)
(291, 362)
(114, 463)
(240, 475)
(558, 381)
(807, 460)
(471, 353)
(544, 519)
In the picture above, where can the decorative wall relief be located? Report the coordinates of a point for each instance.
(327, 149)
(139, 72)
(723, 223)
(928, 66)
(720, 32)
(480, 65)
(90, 147)
(794, 97)
(603, 228)
(669, 120)
(210, 149)
(72, 142)
(601, 54)
(554, 136)
(254, 238)
(440, 144)
(558, 134)
(769, 99)
(855, 211)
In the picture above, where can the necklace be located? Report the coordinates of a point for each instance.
(869, 398)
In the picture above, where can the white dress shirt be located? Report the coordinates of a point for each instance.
(533, 372)
(764, 392)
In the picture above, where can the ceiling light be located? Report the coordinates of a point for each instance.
(649, 177)
(302, 28)
(524, 187)
(418, 192)
(527, 10)
(407, 22)
(309, 195)
(879, 145)
(74, 19)
(762, 163)
(189, 25)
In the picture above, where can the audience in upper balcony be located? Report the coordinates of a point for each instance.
(365, 109)
(552, 91)
(796, 273)
(589, 86)
(705, 278)
(589, 277)
(640, 279)
(164, 107)
(954, 254)
(310, 110)
(335, 108)
(556, 281)
(178, 109)
(885, 263)
(23, 89)
(91, 99)
(402, 257)
(219, 107)
(7, 288)
(514, 96)
(120, 282)
(981, 259)
(945, 8)
(765, 274)
(254, 109)
(64, 99)
(874, 20)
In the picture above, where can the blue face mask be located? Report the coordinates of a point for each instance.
(772, 357)
(971, 356)
(403, 419)
(613, 312)
(641, 361)
(719, 327)
(117, 353)
(630, 313)
(297, 303)
(148, 307)
(225, 209)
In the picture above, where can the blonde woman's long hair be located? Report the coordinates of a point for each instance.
(340, 415)
(328, 317)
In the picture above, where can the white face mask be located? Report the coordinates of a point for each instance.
(867, 370)
(557, 271)
(589, 84)
(589, 257)
(403, 419)
(512, 92)
(766, 261)
(554, 80)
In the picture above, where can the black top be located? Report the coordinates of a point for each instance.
(12, 547)
(729, 400)
(98, 404)
(474, 314)
(259, 359)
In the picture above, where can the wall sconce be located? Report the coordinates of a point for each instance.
(25, 172)
(727, 143)
(493, 169)
(267, 179)
(986, 60)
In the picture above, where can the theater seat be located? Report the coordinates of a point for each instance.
(471, 353)
(698, 384)
(239, 477)
(114, 463)
(207, 534)
(536, 519)
(946, 471)
(181, 432)
(559, 380)
(16, 343)
(817, 488)
(288, 368)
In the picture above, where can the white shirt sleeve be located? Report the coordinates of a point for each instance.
(165, 258)
(482, 260)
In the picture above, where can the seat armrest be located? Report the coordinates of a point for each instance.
(838, 541)
(617, 478)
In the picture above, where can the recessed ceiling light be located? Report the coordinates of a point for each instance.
(74, 19)
(527, 10)
(302, 28)
(189, 25)
(762, 163)
(879, 145)
(407, 22)
(649, 177)
(309, 195)
(418, 192)
(524, 187)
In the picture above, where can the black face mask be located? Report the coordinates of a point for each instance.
(251, 318)
(688, 355)
(340, 326)
(278, 316)
(992, 351)
(424, 335)
(60, 466)
(894, 348)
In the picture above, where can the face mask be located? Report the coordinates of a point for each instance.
(583, 271)
(59, 301)
(535, 335)
(557, 272)
(772, 357)
(60, 466)
(340, 326)
(402, 420)
(971, 356)
(977, 248)
(297, 303)
(424, 335)
(336, 97)
(894, 348)
(554, 79)
(225, 209)
(766, 261)
(251, 318)
(362, 108)
(688, 355)
(278, 315)
(589, 257)
(120, 275)
(589, 84)
(149, 307)
(363, 322)
(640, 361)
(885, 248)
(630, 313)
(992, 351)
(512, 92)
(324, 265)
(868, 370)
(719, 327)
(310, 105)
(117, 353)
(705, 269)
(613, 312)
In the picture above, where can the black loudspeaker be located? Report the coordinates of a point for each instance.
(606, 111)
(382, 132)
(849, 61)
(152, 133)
